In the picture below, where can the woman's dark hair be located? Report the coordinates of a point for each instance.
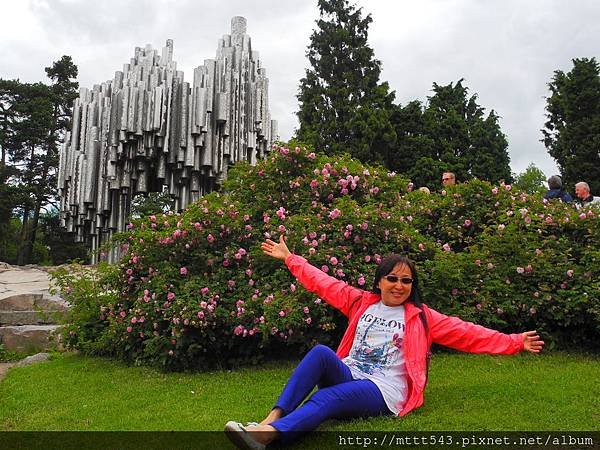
(387, 265)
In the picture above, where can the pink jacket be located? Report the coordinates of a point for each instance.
(449, 331)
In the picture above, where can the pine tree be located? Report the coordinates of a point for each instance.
(449, 133)
(343, 106)
(572, 131)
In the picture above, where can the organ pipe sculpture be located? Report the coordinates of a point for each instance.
(148, 130)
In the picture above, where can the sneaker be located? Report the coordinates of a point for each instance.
(241, 438)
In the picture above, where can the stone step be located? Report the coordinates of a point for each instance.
(31, 302)
(30, 317)
(25, 338)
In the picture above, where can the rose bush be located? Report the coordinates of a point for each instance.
(193, 289)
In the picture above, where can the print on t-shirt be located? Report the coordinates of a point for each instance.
(373, 350)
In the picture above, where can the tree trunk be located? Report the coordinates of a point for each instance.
(22, 257)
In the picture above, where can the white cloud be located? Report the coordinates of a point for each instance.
(506, 50)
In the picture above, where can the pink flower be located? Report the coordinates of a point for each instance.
(281, 213)
(421, 246)
(478, 262)
(446, 247)
(508, 187)
(570, 273)
(467, 223)
(583, 216)
(490, 266)
(501, 227)
(134, 319)
(129, 226)
(281, 313)
(333, 260)
(152, 218)
(364, 225)
(454, 292)
(361, 281)
(324, 268)
(129, 271)
(538, 252)
(210, 238)
(306, 310)
(411, 186)
(170, 296)
(238, 330)
(520, 270)
(197, 226)
(129, 329)
(281, 229)
(495, 190)
(200, 314)
(335, 214)
(311, 155)
(183, 271)
(314, 184)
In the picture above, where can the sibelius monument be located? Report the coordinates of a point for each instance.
(148, 130)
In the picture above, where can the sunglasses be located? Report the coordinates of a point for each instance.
(395, 279)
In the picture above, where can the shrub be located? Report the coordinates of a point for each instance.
(193, 290)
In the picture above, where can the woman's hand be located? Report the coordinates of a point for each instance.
(532, 342)
(276, 250)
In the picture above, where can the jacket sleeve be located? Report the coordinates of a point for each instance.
(468, 337)
(335, 292)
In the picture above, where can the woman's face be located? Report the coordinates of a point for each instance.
(396, 293)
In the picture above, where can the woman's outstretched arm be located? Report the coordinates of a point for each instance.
(532, 342)
(276, 250)
(334, 291)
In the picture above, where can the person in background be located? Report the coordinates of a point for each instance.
(425, 189)
(582, 191)
(555, 190)
(448, 179)
(381, 365)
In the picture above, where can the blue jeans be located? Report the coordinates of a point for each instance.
(339, 395)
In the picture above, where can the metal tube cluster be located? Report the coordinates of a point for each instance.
(148, 130)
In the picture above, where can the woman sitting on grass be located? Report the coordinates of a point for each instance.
(381, 363)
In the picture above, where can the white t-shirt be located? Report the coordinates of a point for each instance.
(377, 353)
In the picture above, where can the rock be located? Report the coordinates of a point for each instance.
(28, 337)
(38, 357)
(30, 317)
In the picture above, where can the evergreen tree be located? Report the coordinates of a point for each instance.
(33, 121)
(572, 131)
(450, 133)
(343, 107)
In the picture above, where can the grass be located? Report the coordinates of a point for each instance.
(552, 391)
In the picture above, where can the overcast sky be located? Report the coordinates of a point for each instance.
(506, 50)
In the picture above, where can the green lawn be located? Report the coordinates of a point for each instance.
(553, 391)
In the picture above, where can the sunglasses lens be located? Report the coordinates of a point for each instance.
(394, 279)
